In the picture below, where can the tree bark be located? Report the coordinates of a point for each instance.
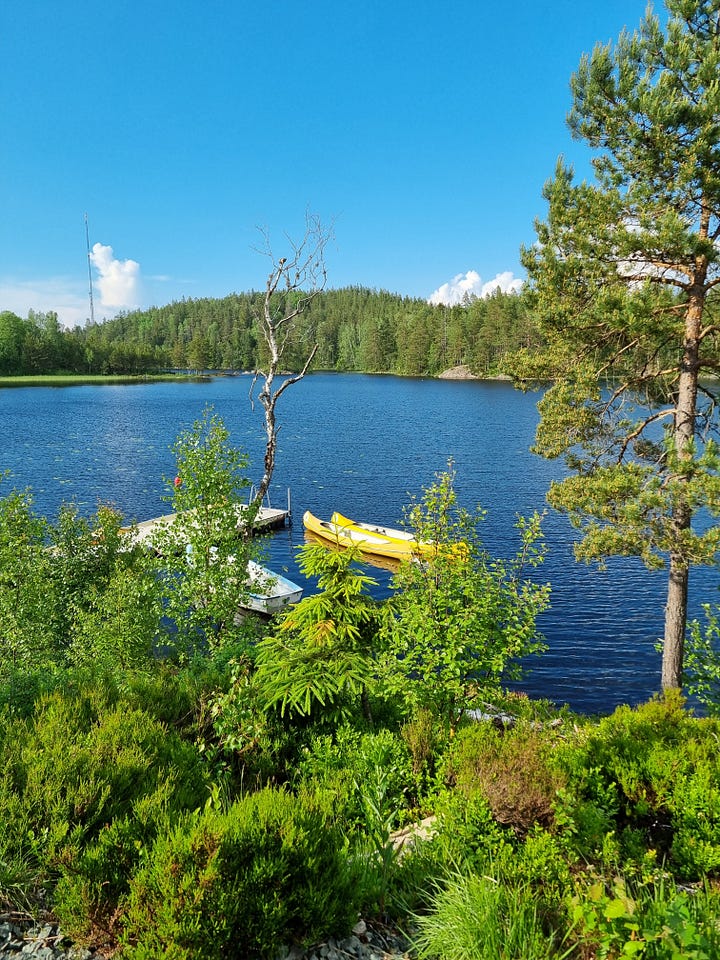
(684, 429)
(675, 621)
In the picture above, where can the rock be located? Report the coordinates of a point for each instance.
(408, 837)
(461, 372)
(27, 940)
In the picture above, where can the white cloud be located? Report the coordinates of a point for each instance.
(119, 280)
(117, 286)
(61, 295)
(471, 284)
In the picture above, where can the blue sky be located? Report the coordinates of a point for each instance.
(422, 131)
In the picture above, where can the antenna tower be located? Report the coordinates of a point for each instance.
(87, 243)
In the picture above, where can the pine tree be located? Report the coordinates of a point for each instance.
(623, 277)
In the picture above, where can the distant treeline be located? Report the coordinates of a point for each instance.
(356, 329)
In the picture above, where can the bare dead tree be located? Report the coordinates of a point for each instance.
(292, 284)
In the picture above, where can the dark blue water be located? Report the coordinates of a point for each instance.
(362, 445)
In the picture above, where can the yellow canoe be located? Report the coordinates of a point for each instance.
(415, 546)
(381, 541)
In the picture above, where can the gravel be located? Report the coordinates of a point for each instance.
(22, 938)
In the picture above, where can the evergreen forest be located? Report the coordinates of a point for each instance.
(356, 329)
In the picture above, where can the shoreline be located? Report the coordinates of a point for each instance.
(460, 372)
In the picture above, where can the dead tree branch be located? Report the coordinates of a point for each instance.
(292, 284)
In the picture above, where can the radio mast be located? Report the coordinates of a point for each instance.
(87, 243)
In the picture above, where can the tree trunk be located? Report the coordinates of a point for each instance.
(305, 266)
(684, 429)
(271, 431)
(675, 621)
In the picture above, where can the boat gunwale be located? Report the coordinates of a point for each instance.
(386, 533)
(366, 542)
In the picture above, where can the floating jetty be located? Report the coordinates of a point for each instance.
(268, 518)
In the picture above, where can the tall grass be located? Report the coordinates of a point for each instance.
(473, 917)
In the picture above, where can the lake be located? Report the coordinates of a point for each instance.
(362, 445)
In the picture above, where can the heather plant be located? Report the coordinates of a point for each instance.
(81, 766)
(178, 698)
(511, 769)
(496, 819)
(270, 870)
(424, 741)
(94, 878)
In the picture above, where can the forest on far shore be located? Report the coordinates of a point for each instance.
(356, 329)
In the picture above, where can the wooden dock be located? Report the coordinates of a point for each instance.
(268, 518)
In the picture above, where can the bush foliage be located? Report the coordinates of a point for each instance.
(268, 871)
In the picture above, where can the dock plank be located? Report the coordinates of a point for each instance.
(268, 518)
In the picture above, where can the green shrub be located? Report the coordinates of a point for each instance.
(541, 863)
(370, 778)
(468, 833)
(655, 921)
(269, 871)
(173, 696)
(20, 689)
(347, 760)
(73, 775)
(426, 741)
(253, 740)
(587, 819)
(95, 879)
(461, 621)
(695, 808)
(179, 698)
(646, 779)
(470, 839)
(117, 622)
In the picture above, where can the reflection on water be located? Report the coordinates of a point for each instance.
(364, 446)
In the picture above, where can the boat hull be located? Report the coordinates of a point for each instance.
(416, 547)
(269, 592)
(366, 539)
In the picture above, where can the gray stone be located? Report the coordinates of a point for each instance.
(352, 946)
